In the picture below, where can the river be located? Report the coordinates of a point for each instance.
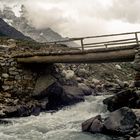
(62, 125)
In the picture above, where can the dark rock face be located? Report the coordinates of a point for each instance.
(5, 122)
(121, 121)
(7, 30)
(123, 98)
(59, 95)
(93, 125)
(22, 110)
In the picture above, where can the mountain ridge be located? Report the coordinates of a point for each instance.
(22, 25)
(9, 31)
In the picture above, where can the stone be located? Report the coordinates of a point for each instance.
(95, 81)
(137, 138)
(87, 90)
(5, 88)
(82, 72)
(43, 82)
(13, 73)
(5, 121)
(121, 121)
(2, 64)
(123, 98)
(27, 77)
(5, 75)
(118, 67)
(12, 69)
(59, 96)
(93, 125)
(136, 64)
(18, 77)
(69, 74)
(96, 126)
(43, 103)
(13, 63)
(79, 79)
(137, 112)
(131, 138)
(122, 84)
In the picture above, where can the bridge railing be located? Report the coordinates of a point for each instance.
(110, 40)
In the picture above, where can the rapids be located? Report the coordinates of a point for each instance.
(62, 125)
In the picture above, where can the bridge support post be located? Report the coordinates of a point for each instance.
(136, 66)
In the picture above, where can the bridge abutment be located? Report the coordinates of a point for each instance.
(136, 66)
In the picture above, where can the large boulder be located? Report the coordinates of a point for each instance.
(43, 82)
(87, 90)
(59, 95)
(93, 125)
(121, 121)
(123, 98)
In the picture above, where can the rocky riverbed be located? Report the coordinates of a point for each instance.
(29, 90)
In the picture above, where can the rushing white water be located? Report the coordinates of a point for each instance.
(62, 125)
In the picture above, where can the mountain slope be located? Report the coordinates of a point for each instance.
(8, 31)
(22, 25)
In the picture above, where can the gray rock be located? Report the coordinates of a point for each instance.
(69, 74)
(13, 73)
(5, 88)
(82, 72)
(137, 138)
(43, 82)
(121, 121)
(131, 138)
(93, 125)
(5, 75)
(87, 90)
(18, 77)
(59, 96)
(97, 126)
(123, 98)
(12, 69)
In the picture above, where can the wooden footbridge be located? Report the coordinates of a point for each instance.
(92, 49)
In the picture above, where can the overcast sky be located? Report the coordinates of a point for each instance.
(83, 17)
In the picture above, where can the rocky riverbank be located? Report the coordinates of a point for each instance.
(124, 119)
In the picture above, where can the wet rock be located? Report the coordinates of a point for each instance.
(59, 95)
(93, 125)
(5, 121)
(16, 111)
(123, 98)
(35, 111)
(97, 126)
(121, 121)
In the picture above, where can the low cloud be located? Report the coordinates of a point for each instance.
(80, 18)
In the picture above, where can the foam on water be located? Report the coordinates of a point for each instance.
(62, 125)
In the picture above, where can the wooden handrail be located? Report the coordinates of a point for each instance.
(123, 40)
(127, 41)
